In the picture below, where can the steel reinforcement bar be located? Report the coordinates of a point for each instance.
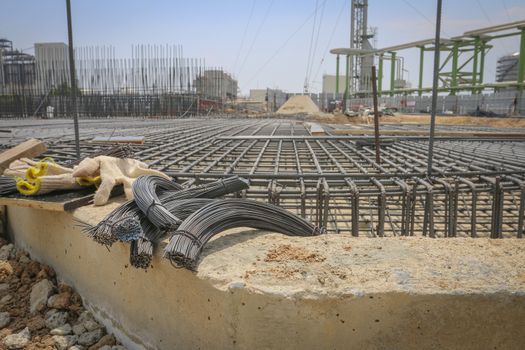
(334, 181)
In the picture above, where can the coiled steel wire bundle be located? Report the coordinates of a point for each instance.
(7, 185)
(125, 222)
(119, 224)
(141, 251)
(187, 242)
(145, 190)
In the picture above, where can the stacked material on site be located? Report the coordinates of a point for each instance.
(141, 251)
(192, 215)
(128, 223)
(187, 242)
(7, 185)
(145, 191)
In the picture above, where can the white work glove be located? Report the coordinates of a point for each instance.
(30, 170)
(113, 171)
(46, 184)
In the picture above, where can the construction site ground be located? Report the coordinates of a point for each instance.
(334, 289)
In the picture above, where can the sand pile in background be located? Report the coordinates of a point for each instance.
(299, 105)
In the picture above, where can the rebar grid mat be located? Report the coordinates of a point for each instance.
(477, 187)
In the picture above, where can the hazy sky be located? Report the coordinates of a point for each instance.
(264, 43)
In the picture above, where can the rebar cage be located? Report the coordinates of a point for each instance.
(477, 188)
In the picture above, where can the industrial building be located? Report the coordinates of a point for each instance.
(17, 70)
(507, 68)
(330, 83)
(52, 65)
(216, 83)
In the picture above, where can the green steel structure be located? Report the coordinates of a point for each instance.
(461, 70)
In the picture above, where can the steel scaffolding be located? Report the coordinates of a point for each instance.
(462, 69)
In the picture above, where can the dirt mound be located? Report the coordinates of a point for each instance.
(299, 105)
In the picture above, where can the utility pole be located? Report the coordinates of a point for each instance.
(72, 76)
(434, 91)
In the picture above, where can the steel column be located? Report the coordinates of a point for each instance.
(337, 77)
(392, 72)
(421, 63)
(454, 73)
(380, 76)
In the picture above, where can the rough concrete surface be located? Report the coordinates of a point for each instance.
(258, 290)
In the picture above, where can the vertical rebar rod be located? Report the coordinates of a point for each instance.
(376, 115)
(434, 90)
(72, 76)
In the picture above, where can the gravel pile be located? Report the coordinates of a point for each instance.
(37, 312)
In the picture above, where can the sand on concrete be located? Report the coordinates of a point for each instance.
(299, 104)
(341, 265)
(425, 119)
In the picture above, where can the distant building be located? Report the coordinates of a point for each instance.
(329, 84)
(17, 69)
(52, 65)
(507, 68)
(258, 95)
(216, 84)
(273, 98)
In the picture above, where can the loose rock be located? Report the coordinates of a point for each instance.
(18, 340)
(24, 260)
(77, 347)
(36, 323)
(26, 285)
(62, 330)
(90, 338)
(90, 325)
(5, 299)
(87, 320)
(55, 319)
(63, 342)
(106, 341)
(59, 301)
(5, 318)
(79, 329)
(6, 252)
(39, 294)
